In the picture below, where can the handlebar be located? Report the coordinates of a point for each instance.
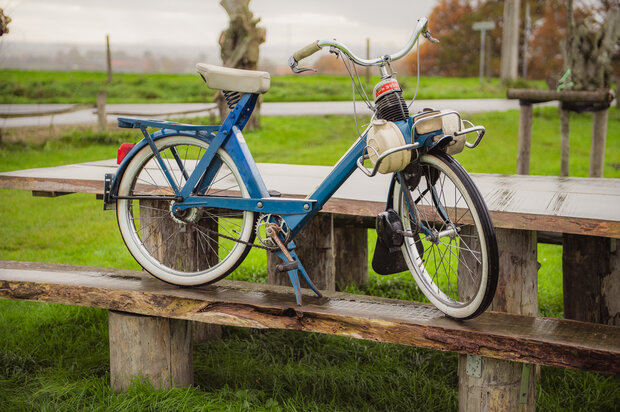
(421, 28)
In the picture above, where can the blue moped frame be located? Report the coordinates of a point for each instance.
(296, 212)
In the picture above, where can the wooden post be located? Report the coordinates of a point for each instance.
(591, 270)
(487, 384)
(351, 260)
(597, 150)
(102, 121)
(315, 248)
(177, 252)
(565, 142)
(157, 349)
(525, 137)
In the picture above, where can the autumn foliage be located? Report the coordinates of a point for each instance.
(458, 53)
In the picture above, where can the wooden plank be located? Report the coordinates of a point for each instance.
(563, 205)
(546, 341)
(539, 96)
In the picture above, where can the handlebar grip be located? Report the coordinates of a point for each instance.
(306, 51)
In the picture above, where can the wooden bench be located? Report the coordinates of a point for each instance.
(544, 341)
(584, 212)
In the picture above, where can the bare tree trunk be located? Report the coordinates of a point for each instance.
(239, 47)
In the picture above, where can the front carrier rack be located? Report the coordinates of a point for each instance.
(429, 138)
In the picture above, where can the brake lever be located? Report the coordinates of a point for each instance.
(427, 33)
(292, 63)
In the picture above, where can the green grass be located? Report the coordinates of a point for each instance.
(82, 87)
(56, 357)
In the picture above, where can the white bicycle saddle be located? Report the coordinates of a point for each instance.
(235, 80)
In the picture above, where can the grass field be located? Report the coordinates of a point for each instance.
(82, 87)
(56, 358)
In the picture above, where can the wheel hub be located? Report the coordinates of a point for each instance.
(185, 216)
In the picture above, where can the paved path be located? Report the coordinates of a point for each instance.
(267, 109)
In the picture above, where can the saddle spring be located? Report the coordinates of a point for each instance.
(232, 98)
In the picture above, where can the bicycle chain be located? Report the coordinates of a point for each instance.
(216, 233)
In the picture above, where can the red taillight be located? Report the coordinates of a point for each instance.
(122, 151)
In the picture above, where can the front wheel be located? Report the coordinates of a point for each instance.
(199, 246)
(452, 252)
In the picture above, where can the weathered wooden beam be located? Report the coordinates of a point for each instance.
(546, 341)
(539, 96)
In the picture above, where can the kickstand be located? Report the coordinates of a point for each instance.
(294, 276)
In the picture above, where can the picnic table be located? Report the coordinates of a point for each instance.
(583, 212)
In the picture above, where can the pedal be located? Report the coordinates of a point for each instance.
(286, 266)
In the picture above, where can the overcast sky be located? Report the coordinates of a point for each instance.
(388, 23)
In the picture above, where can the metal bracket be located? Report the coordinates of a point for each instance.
(473, 366)
(108, 204)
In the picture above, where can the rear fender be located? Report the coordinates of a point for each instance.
(116, 179)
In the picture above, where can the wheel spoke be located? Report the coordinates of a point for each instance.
(178, 248)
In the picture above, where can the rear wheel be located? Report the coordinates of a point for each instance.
(455, 263)
(187, 248)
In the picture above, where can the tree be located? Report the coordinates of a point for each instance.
(457, 53)
(591, 49)
(239, 45)
(546, 58)
(4, 22)
(554, 49)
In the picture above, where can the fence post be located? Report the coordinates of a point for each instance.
(108, 58)
(525, 137)
(102, 121)
(597, 150)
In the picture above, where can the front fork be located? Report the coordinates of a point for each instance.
(409, 179)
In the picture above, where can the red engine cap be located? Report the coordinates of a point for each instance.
(385, 86)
